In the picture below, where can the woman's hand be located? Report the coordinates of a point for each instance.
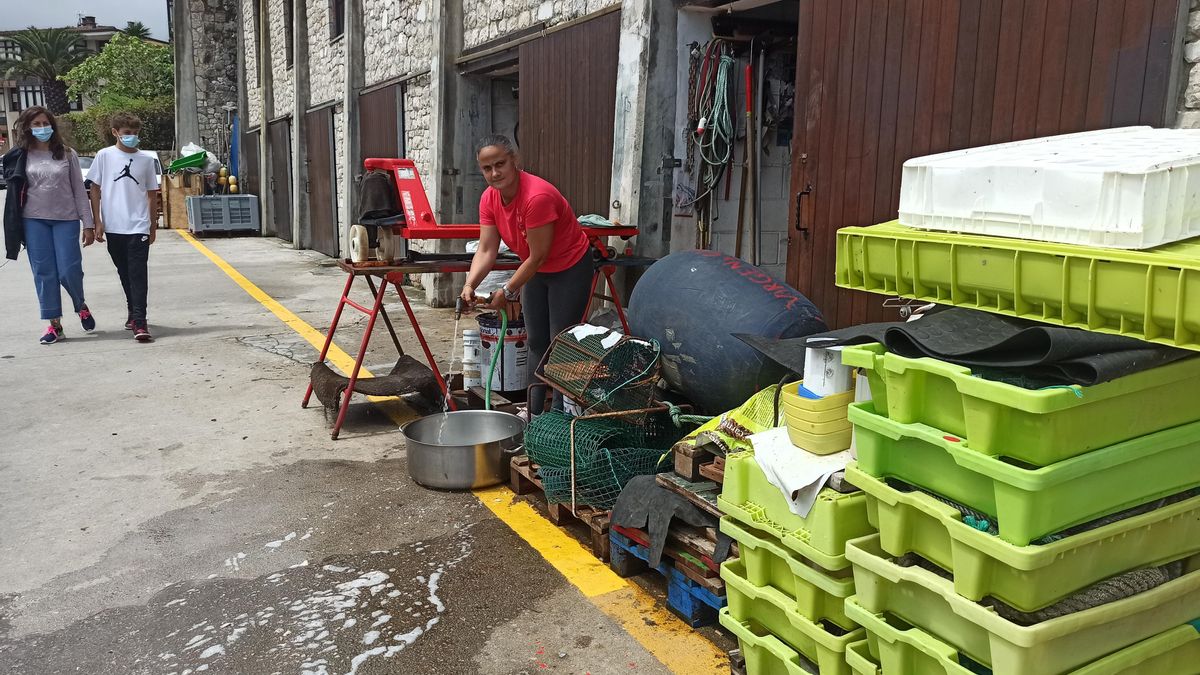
(511, 307)
(88, 237)
(468, 295)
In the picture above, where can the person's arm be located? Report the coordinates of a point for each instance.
(483, 260)
(94, 195)
(95, 173)
(152, 198)
(83, 207)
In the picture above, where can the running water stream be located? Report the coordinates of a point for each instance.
(449, 372)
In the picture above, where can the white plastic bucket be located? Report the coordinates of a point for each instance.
(512, 370)
(472, 359)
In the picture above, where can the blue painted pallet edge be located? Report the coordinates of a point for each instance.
(694, 603)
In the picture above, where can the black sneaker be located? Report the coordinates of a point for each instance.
(87, 320)
(53, 334)
(141, 333)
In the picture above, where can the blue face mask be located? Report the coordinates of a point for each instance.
(129, 141)
(43, 134)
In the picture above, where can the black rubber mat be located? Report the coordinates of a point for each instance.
(1020, 352)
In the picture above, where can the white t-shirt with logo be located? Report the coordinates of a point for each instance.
(124, 178)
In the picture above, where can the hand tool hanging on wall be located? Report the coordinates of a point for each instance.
(713, 133)
(747, 149)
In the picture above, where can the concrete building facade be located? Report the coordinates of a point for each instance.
(426, 78)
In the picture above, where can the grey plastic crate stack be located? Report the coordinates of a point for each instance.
(223, 213)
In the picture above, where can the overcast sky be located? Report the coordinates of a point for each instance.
(58, 13)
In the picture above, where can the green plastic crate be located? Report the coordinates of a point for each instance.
(858, 656)
(748, 497)
(768, 609)
(765, 654)
(922, 598)
(1150, 295)
(1029, 503)
(904, 650)
(1041, 426)
(1025, 577)
(816, 594)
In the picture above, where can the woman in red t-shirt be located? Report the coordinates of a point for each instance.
(535, 221)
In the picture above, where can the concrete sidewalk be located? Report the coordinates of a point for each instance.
(170, 507)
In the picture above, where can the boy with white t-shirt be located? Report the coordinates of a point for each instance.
(124, 193)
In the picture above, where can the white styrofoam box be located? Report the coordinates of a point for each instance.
(1132, 188)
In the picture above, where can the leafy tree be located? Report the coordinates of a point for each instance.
(91, 129)
(46, 54)
(128, 68)
(136, 29)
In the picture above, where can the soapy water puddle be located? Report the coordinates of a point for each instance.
(326, 618)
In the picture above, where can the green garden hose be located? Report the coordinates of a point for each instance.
(487, 387)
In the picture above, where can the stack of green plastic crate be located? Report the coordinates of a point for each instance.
(787, 590)
(1026, 498)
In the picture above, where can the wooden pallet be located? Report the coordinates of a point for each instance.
(737, 662)
(688, 597)
(524, 479)
(714, 470)
(703, 494)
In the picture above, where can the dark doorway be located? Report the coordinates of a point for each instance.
(248, 181)
(279, 155)
(322, 231)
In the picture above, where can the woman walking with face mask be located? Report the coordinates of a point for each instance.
(44, 210)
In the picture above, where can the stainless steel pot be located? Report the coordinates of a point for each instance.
(462, 450)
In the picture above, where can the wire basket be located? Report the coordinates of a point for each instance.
(601, 369)
(588, 460)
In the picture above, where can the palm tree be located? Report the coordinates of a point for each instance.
(136, 29)
(46, 54)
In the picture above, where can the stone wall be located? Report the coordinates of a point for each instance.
(398, 39)
(417, 118)
(250, 58)
(1189, 108)
(485, 20)
(214, 56)
(339, 155)
(283, 83)
(326, 58)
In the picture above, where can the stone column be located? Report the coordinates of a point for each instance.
(645, 118)
(187, 122)
(447, 34)
(355, 74)
(1189, 74)
(265, 78)
(299, 122)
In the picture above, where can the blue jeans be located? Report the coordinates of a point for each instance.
(57, 259)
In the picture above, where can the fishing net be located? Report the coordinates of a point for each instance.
(731, 431)
(608, 451)
(603, 370)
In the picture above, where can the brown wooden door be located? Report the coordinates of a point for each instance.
(322, 231)
(279, 152)
(879, 82)
(379, 123)
(248, 165)
(567, 101)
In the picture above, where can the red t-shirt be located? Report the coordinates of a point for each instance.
(537, 204)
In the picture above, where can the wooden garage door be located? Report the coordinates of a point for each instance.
(567, 101)
(380, 122)
(881, 81)
(279, 155)
(322, 230)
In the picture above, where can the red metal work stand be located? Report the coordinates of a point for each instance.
(394, 275)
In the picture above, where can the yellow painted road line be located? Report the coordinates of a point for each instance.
(392, 406)
(660, 632)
